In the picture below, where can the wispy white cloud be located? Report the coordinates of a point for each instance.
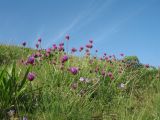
(84, 17)
(115, 27)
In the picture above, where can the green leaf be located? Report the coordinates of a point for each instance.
(24, 80)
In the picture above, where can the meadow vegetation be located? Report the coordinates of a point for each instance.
(55, 84)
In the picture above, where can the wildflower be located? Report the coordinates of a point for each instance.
(67, 37)
(48, 50)
(31, 76)
(61, 44)
(31, 60)
(103, 73)
(37, 45)
(81, 48)
(61, 48)
(122, 54)
(91, 41)
(64, 58)
(54, 46)
(47, 54)
(73, 50)
(74, 70)
(82, 79)
(110, 74)
(39, 40)
(24, 44)
(122, 86)
(147, 65)
(74, 86)
(89, 46)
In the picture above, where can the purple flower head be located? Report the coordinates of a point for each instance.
(73, 50)
(54, 46)
(110, 74)
(64, 58)
(103, 73)
(61, 48)
(122, 54)
(31, 60)
(74, 70)
(61, 44)
(31, 76)
(80, 49)
(37, 45)
(24, 44)
(67, 37)
(91, 41)
(48, 50)
(147, 65)
(89, 46)
(39, 40)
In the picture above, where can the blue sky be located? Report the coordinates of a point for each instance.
(131, 27)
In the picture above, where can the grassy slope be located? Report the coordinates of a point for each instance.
(99, 99)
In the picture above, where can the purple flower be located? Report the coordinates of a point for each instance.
(24, 44)
(31, 60)
(39, 40)
(61, 48)
(64, 58)
(147, 65)
(48, 50)
(80, 49)
(110, 74)
(61, 44)
(103, 73)
(54, 46)
(31, 76)
(37, 45)
(122, 54)
(89, 46)
(73, 50)
(74, 70)
(67, 37)
(91, 41)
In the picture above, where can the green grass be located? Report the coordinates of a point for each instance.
(51, 96)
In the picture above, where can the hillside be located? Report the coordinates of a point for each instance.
(53, 85)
